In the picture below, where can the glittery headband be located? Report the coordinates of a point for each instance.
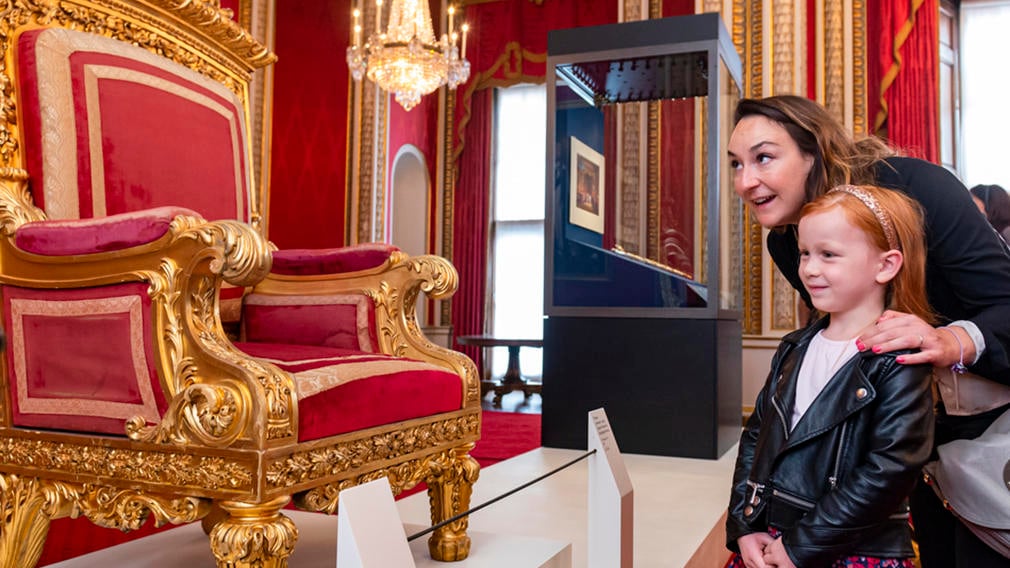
(871, 203)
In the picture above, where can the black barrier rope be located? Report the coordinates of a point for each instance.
(499, 498)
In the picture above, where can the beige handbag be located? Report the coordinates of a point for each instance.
(972, 478)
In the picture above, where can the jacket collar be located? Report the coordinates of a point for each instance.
(847, 392)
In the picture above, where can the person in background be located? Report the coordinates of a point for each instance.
(837, 438)
(786, 151)
(995, 203)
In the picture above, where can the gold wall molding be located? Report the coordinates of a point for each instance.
(366, 187)
(258, 16)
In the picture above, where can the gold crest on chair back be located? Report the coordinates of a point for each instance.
(127, 205)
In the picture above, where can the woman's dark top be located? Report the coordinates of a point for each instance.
(967, 264)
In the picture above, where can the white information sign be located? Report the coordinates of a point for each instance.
(611, 499)
(369, 531)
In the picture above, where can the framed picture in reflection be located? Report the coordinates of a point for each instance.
(586, 188)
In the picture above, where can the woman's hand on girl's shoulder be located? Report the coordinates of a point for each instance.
(894, 331)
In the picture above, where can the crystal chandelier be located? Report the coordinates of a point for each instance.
(406, 60)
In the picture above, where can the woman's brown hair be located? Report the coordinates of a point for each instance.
(906, 292)
(838, 157)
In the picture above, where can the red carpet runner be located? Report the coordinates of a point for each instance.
(503, 435)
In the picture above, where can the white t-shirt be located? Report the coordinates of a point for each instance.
(824, 357)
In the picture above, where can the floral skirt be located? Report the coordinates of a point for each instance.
(848, 562)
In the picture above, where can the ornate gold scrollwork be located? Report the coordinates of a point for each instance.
(310, 465)
(127, 509)
(217, 413)
(210, 414)
(16, 206)
(164, 468)
(450, 482)
(253, 535)
(24, 522)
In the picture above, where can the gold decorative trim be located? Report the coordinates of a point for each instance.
(87, 460)
(653, 238)
(859, 62)
(303, 468)
(833, 63)
(448, 191)
(16, 207)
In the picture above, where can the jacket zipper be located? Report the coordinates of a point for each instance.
(779, 411)
(793, 500)
(833, 480)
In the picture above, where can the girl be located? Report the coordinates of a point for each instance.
(786, 151)
(837, 437)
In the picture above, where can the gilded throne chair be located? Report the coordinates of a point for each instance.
(131, 234)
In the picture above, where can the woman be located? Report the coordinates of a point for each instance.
(995, 203)
(786, 151)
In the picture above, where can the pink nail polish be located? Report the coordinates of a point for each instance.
(876, 349)
(860, 345)
(900, 359)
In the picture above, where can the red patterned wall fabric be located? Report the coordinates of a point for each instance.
(906, 75)
(309, 149)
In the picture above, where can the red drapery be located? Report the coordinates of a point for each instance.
(507, 45)
(470, 214)
(907, 108)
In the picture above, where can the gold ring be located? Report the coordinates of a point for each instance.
(921, 339)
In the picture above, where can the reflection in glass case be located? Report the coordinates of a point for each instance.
(643, 246)
(640, 230)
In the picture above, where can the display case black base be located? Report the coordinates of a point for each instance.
(670, 387)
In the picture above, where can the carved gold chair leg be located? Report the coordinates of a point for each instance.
(449, 486)
(215, 516)
(253, 535)
(25, 521)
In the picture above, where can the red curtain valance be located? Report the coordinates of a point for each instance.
(907, 60)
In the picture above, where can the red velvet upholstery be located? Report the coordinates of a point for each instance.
(102, 234)
(126, 130)
(345, 321)
(341, 390)
(305, 262)
(78, 359)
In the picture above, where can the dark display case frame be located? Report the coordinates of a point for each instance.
(666, 365)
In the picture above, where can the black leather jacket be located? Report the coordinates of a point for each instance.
(836, 485)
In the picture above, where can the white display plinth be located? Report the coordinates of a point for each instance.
(189, 547)
(369, 532)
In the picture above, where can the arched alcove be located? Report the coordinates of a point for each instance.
(408, 202)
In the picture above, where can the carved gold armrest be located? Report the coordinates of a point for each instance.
(393, 287)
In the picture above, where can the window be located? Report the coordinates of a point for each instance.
(517, 223)
(984, 122)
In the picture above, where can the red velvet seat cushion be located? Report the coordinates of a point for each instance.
(342, 390)
(115, 232)
(304, 262)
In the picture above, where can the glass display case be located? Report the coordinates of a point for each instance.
(644, 247)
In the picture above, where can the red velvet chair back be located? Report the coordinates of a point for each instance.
(112, 128)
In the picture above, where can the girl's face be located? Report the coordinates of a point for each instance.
(769, 170)
(843, 271)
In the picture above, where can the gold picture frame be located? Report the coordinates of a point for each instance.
(587, 195)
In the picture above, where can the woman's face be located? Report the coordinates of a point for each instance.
(769, 170)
